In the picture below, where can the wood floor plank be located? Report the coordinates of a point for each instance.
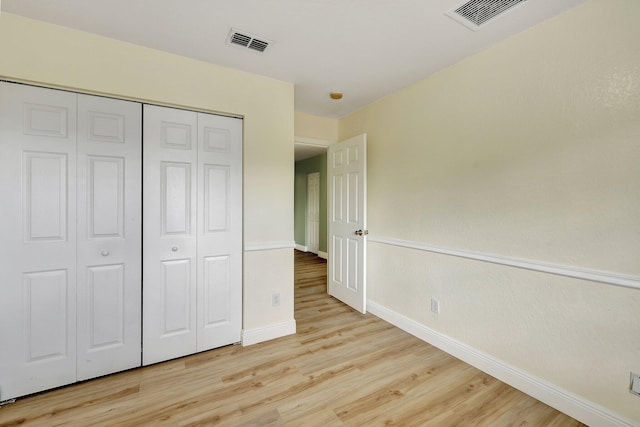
(341, 368)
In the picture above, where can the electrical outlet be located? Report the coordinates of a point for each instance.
(634, 386)
(275, 300)
(435, 306)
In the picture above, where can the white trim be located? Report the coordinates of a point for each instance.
(269, 332)
(323, 255)
(575, 406)
(121, 97)
(312, 141)
(558, 269)
(267, 246)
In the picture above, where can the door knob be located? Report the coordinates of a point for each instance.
(104, 253)
(361, 232)
(174, 249)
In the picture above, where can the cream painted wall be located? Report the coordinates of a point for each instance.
(54, 56)
(530, 149)
(310, 126)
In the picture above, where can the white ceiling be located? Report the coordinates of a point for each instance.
(364, 48)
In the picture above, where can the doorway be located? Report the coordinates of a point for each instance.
(310, 198)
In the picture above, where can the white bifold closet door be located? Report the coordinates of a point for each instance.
(109, 236)
(38, 235)
(70, 233)
(192, 244)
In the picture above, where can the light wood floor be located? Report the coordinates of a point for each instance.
(341, 369)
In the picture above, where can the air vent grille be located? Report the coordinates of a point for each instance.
(240, 39)
(243, 39)
(258, 45)
(475, 13)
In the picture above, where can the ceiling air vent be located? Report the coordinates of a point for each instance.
(475, 13)
(248, 41)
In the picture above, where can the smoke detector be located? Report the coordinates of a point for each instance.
(246, 40)
(474, 14)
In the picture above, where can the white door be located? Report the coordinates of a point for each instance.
(347, 175)
(109, 235)
(169, 233)
(192, 232)
(38, 239)
(219, 237)
(313, 212)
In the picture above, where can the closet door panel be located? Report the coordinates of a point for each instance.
(176, 299)
(38, 235)
(219, 231)
(105, 305)
(46, 314)
(109, 235)
(175, 203)
(169, 230)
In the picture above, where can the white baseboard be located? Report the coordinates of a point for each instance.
(548, 393)
(269, 332)
(302, 248)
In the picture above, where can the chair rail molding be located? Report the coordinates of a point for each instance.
(605, 277)
(268, 246)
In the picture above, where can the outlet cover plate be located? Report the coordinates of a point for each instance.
(275, 300)
(435, 306)
(634, 387)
